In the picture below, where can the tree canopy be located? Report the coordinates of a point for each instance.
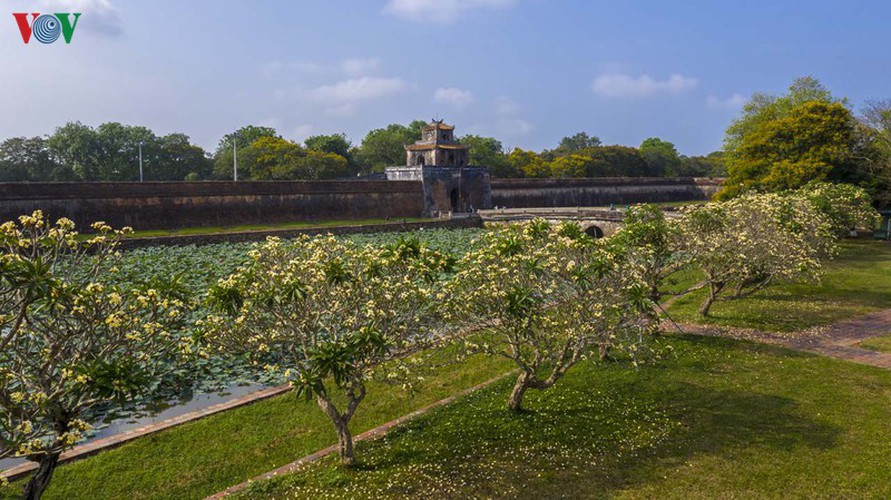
(813, 141)
(385, 147)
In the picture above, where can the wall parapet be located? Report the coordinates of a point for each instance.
(590, 192)
(171, 205)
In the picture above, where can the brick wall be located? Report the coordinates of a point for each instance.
(166, 205)
(527, 193)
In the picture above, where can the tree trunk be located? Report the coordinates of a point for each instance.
(515, 403)
(41, 479)
(655, 294)
(342, 426)
(604, 350)
(704, 308)
(345, 445)
(713, 291)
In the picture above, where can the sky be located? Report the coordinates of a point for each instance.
(528, 72)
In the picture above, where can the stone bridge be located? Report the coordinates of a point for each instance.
(596, 221)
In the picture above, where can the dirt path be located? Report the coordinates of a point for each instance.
(838, 340)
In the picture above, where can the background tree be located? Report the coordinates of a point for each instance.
(573, 144)
(546, 298)
(385, 147)
(798, 155)
(569, 166)
(875, 122)
(110, 152)
(274, 158)
(711, 165)
(528, 163)
(617, 161)
(814, 141)
(762, 108)
(178, 159)
(78, 347)
(662, 158)
(243, 137)
(77, 146)
(26, 159)
(118, 152)
(489, 152)
(328, 316)
(336, 144)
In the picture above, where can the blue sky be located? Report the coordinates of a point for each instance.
(526, 71)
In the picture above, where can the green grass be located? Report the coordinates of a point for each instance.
(191, 231)
(855, 283)
(880, 344)
(200, 458)
(678, 204)
(723, 419)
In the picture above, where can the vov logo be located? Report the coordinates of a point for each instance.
(46, 28)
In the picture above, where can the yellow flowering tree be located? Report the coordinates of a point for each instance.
(328, 316)
(753, 241)
(547, 297)
(76, 345)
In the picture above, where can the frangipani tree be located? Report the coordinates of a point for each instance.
(649, 238)
(547, 298)
(74, 345)
(752, 241)
(847, 207)
(328, 316)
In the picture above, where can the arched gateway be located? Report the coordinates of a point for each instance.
(451, 184)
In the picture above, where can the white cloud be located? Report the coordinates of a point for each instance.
(352, 67)
(275, 123)
(357, 67)
(622, 85)
(342, 97)
(97, 16)
(441, 11)
(513, 127)
(301, 132)
(456, 97)
(735, 101)
(272, 68)
(506, 106)
(365, 88)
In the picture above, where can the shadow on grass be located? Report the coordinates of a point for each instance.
(594, 434)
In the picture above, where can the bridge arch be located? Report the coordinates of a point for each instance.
(594, 232)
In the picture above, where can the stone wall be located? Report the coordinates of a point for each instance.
(170, 205)
(523, 193)
(449, 188)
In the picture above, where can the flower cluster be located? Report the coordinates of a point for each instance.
(547, 297)
(847, 207)
(72, 343)
(753, 241)
(321, 310)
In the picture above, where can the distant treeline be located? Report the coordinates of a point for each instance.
(110, 152)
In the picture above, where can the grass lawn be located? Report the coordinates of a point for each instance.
(855, 283)
(721, 419)
(206, 456)
(881, 344)
(670, 204)
(189, 231)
